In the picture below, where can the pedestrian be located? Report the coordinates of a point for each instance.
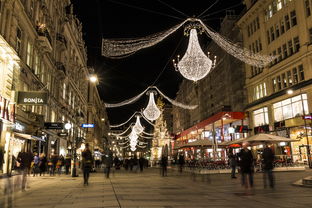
(135, 163)
(54, 160)
(24, 162)
(108, 162)
(141, 163)
(117, 163)
(35, 164)
(87, 161)
(233, 163)
(246, 166)
(131, 163)
(42, 164)
(164, 163)
(181, 162)
(268, 160)
(67, 164)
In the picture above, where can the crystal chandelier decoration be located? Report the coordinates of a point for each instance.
(151, 112)
(133, 140)
(194, 65)
(138, 128)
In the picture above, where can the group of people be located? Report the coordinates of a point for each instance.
(245, 160)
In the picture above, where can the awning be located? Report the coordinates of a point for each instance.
(199, 143)
(28, 136)
(262, 138)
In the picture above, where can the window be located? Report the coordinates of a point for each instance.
(310, 34)
(290, 107)
(29, 54)
(301, 72)
(282, 27)
(277, 31)
(260, 91)
(36, 63)
(272, 34)
(289, 78)
(274, 54)
(296, 44)
(279, 5)
(274, 85)
(284, 80)
(284, 51)
(293, 18)
(64, 90)
(287, 23)
(18, 40)
(268, 36)
(258, 24)
(279, 52)
(279, 83)
(290, 48)
(295, 75)
(308, 8)
(257, 46)
(261, 116)
(260, 45)
(248, 30)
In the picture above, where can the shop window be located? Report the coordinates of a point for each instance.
(289, 78)
(293, 18)
(287, 23)
(308, 8)
(295, 75)
(290, 107)
(290, 48)
(296, 44)
(301, 72)
(261, 116)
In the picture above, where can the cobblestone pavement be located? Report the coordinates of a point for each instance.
(148, 189)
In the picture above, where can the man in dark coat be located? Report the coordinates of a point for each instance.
(24, 159)
(246, 166)
(87, 162)
(268, 160)
(181, 162)
(108, 162)
(164, 163)
(233, 163)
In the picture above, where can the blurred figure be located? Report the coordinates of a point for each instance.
(141, 163)
(67, 164)
(50, 166)
(108, 162)
(35, 167)
(268, 160)
(126, 164)
(42, 164)
(135, 163)
(181, 162)
(246, 165)
(233, 163)
(87, 161)
(131, 163)
(24, 160)
(117, 163)
(164, 163)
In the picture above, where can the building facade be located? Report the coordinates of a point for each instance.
(220, 97)
(42, 51)
(280, 94)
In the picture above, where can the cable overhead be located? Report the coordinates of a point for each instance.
(185, 15)
(146, 10)
(208, 8)
(216, 12)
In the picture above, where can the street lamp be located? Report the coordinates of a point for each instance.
(290, 92)
(93, 78)
(68, 126)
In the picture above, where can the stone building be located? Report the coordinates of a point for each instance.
(280, 94)
(43, 53)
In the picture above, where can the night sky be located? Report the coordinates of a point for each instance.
(124, 78)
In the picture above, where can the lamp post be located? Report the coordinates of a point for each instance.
(290, 91)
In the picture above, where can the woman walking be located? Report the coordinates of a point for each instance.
(87, 161)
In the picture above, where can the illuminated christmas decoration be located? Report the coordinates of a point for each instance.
(138, 128)
(194, 65)
(132, 149)
(151, 112)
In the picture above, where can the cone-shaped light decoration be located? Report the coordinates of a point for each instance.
(151, 112)
(138, 128)
(133, 136)
(194, 65)
(132, 149)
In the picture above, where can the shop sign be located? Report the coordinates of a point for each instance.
(32, 98)
(87, 125)
(63, 134)
(7, 109)
(241, 129)
(307, 117)
(50, 125)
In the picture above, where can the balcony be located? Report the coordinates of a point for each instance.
(44, 39)
(61, 41)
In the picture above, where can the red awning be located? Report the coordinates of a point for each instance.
(212, 119)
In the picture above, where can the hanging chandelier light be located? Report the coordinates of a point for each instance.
(194, 65)
(151, 112)
(138, 128)
(132, 149)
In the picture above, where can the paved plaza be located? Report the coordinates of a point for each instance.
(148, 189)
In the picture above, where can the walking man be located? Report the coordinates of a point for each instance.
(246, 165)
(108, 162)
(87, 161)
(164, 163)
(268, 160)
(181, 162)
(233, 163)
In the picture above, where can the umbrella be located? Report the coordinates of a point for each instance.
(263, 138)
(197, 143)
